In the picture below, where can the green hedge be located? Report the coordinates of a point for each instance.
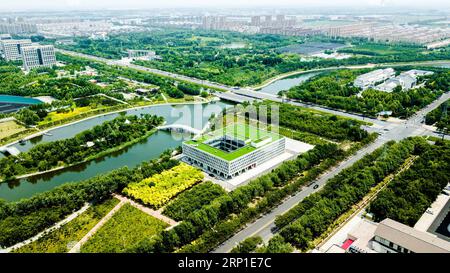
(311, 217)
(23, 219)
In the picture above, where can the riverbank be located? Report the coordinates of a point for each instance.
(88, 159)
(148, 149)
(287, 75)
(47, 130)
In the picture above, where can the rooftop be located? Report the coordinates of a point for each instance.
(245, 133)
(410, 238)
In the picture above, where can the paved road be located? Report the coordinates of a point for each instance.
(146, 69)
(48, 230)
(271, 97)
(264, 226)
(248, 91)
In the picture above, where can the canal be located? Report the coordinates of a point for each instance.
(287, 83)
(194, 115)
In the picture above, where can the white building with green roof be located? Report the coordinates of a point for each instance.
(235, 149)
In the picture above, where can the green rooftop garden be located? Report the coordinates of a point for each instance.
(239, 131)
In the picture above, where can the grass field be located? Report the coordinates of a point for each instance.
(61, 240)
(124, 230)
(9, 128)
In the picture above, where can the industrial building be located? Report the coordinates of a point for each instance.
(406, 80)
(233, 150)
(430, 234)
(38, 56)
(12, 49)
(394, 237)
(372, 78)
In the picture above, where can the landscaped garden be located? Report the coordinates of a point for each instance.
(100, 140)
(193, 199)
(124, 230)
(159, 189)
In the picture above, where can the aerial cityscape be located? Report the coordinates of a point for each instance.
(295, 127)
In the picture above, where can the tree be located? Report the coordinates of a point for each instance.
(248, 245)
(277, 245)
(204, 94)
(27, 116)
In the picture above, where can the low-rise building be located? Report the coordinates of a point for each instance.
(5, 37)
(372, 78)
(394, 237)
(417, 73)
(390, 236)
(233, 150)
(406, 80)
(146, 91)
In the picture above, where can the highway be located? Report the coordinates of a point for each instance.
(264, 226)
(223, 86)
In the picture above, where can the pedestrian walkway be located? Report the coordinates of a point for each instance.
(48, 230)
(164, 97)
(77, 247)
(154, 213)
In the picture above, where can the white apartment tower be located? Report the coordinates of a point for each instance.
(12, 49)
(38, 56)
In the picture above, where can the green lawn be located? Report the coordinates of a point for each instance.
(125, 229)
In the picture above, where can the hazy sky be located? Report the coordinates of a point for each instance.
(10, 5)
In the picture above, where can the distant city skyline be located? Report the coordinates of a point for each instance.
(51, 5)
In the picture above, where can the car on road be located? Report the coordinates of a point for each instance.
(315, 186)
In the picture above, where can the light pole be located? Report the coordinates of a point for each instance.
(444, 130)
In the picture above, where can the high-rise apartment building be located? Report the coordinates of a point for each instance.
(256, 20)
(12, 49)
(18, 28)
(280, 18)
(38, 56)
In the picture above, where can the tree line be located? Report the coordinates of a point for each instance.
(322, 124)
(439, 116)
(217, 214)
(312, 216)
(89, 143)
(407, 197)
(336, 90)
(26, 218)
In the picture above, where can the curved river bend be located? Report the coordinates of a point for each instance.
(195, 115)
